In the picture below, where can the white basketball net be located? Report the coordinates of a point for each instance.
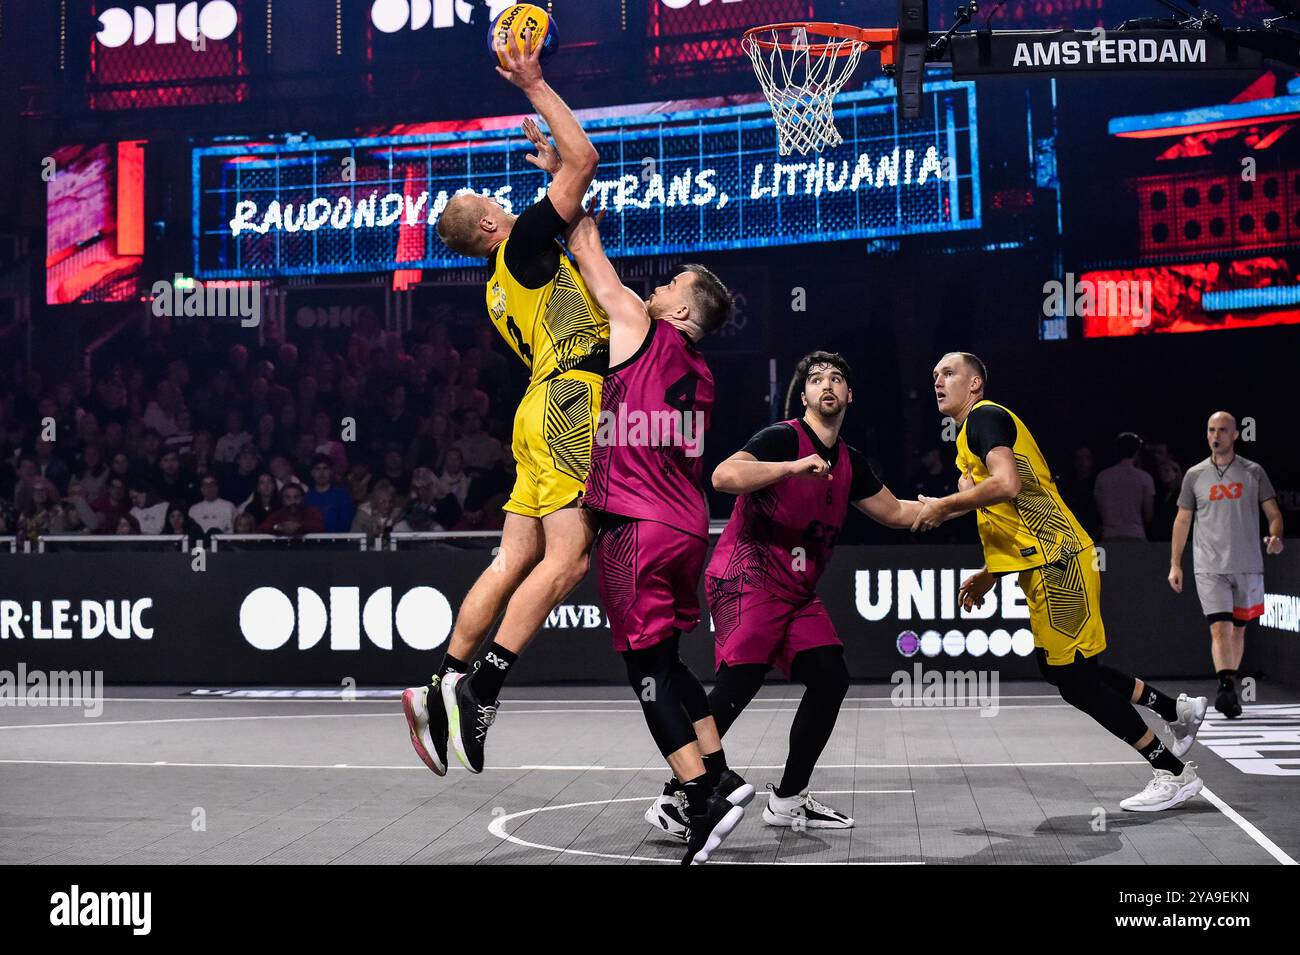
(801, 84)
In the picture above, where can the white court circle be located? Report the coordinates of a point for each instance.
(498, 828)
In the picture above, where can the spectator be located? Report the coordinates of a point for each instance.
(51, 467)
(40, 515)
(77, 515)
(358, 481)
(377, 516)
(230, 444)
(148, 513)
(93, 474)
(426, 510)
(1125, 494)
(454, 480)
(283, 472)
(334, 501)
(469, 396)
(161, 413)
(430, 446)
(213, 513)
(173, 484)
(294, 518)
(245, 523)
(1169, 485)
(394, 471)
(239, 484)
(112, 505)
(479, 450)
(1077, 490)
(264, 441)
(182, 438)
(179, 522)
(264, 500)
(126, 524)
(322, 430)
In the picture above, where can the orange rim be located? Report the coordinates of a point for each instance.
(884, 40)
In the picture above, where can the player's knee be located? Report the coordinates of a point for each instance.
(823, 671)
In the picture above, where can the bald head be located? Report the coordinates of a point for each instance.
(473, 225)
(1221, 433)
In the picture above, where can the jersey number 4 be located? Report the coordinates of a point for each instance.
(681, 393)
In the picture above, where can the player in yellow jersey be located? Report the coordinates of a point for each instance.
(1026, 529)
(541, 306)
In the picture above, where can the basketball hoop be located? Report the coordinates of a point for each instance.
(802, 67)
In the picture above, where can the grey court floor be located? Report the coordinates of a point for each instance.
(162, 776)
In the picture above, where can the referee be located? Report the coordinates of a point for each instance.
(1226, 492)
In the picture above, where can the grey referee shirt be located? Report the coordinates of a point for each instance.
(1226, 538)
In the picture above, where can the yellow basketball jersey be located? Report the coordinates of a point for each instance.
(1034, 528)
(553, 329)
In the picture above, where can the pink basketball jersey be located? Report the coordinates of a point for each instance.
(780, 539)
(654, 409)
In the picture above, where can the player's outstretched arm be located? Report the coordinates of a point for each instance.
(626, 311)
(742, 473)
(1002, 484)
(578, 157)
(883, 508)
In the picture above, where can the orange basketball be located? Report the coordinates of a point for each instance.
(526, 25)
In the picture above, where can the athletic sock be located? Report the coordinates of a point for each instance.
(491, 672)
(450, 665)
(1159, 757)
(697, 792)
(1227, 679)
(673, 785)
(715, 764)
(1159, 703)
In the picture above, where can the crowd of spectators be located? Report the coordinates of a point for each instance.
(1135, 498)
(179, 432)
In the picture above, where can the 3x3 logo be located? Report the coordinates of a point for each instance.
(1220, 492)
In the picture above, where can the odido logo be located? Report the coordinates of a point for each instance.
(390, 16)
(268, 618)
(214, 20)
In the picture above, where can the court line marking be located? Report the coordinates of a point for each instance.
(1267, 844)
(418, 768)
(497, 827)
(629, 710)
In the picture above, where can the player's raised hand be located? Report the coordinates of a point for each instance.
(814, 466)
(523, 67)
(1272, 545)
(973, 588)
(933, 512)
(547, 157)
(1176, 579)
(585, 232)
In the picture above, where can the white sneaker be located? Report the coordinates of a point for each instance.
(428, 729)
(1165, 791)
(802, 812)
(668, 814)
(1191, 712)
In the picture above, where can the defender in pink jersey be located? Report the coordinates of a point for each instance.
(795, 482)
(653, 522)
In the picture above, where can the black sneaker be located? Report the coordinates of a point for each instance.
(710, 829)
(468, 720)
(734, 789)
(1227, 702)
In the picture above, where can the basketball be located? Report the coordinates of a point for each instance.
(526, 24)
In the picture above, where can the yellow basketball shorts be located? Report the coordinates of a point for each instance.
(554, 428)
(1065, 606)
